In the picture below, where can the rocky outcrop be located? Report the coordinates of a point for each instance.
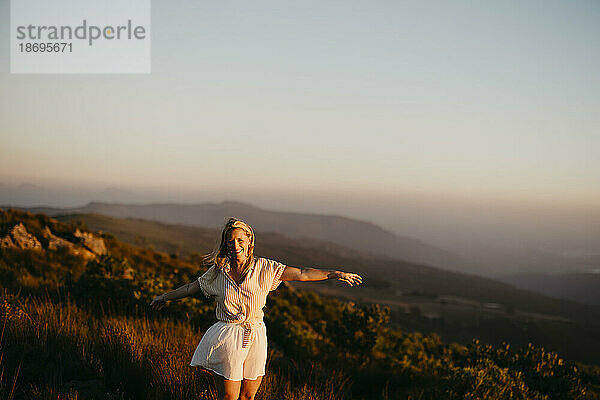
(55, 242)
(20, 238)
(92, 242)
(88, 246)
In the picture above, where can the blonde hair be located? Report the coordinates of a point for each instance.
(220, 256)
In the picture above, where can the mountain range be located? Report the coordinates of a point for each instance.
(540, 271)
(360, 235)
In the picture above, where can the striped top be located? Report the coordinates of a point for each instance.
(243, 303)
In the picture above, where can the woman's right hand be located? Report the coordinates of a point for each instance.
(158, 302)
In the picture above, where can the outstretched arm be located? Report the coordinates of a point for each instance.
(313, 274)
(186, 290)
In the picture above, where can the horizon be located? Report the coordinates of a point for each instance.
(455, 224)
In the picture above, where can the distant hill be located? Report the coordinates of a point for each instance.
(359, 235)
(582, 287)
(385, 273)
(498, 261)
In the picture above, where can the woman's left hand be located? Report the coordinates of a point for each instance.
(348, 277)
(158, 302)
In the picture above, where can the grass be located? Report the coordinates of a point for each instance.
(51, 349)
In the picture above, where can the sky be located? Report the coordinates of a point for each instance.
(421, 116)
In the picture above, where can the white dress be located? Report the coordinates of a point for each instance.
(235, 347)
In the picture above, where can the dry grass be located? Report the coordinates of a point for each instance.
(63, 348)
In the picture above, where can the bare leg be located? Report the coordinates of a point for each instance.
(226, 389)
(249, 388)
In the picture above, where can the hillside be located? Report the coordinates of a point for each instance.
(458, 307)
(360, 235)
(76, 325)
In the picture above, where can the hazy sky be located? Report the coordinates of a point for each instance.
(478, 100)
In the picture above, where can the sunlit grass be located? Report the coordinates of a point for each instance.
(133, 357)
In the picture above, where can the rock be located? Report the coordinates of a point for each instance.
(94, 244)
(85, 253)
(6, 241)
(23, 239)
(55, 242)
(18, 237)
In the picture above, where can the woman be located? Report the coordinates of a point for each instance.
(235, 347)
